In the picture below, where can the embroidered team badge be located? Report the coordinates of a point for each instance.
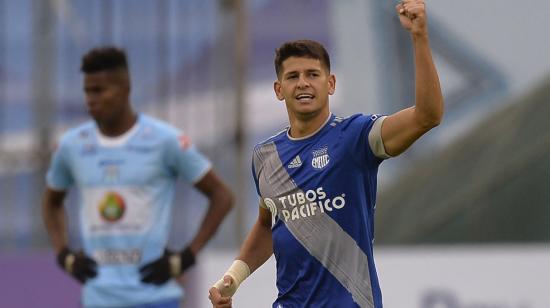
(320, 158)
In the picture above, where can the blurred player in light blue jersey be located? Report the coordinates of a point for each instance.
(125, 166)
(317, 180)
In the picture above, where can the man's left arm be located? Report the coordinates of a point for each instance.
(172, 264)
(188, 163)
(221, 201)
(402, 129)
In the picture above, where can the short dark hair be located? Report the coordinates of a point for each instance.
(303, 49)
(103, 59)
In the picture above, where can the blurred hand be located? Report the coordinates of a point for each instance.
(220, 294)
(78, 265)
(170, 265)
(412, 15)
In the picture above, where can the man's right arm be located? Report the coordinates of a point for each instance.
(258, 246)
(256, 249)
(53, 216)
(78, 265)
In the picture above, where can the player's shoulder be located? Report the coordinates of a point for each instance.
(280, 135)
(358, 120)
(360, 117)
(158, 125)
(162, 133)
(261, 146)
(155, 128)
(77, 134)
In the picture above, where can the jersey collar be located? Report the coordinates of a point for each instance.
(310, 135)
(107, 141)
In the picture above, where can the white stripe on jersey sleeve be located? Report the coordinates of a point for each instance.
(375, 139)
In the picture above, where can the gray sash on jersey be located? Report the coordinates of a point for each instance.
(320, 235)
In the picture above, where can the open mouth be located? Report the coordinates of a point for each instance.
(304, 97)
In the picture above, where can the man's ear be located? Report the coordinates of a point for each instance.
(331, 84)
(277, 89)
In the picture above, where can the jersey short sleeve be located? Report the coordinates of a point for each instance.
(59, 175)
(185, 159)
(359, 128)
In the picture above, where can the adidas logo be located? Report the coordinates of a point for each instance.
(295, 163)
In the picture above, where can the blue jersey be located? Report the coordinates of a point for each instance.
(126, 188)
(321, 191)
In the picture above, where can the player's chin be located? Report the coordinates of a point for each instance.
(96, 114)
(309, 105)
(307, 113)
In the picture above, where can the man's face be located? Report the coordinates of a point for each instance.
(304, 84)
(106, 94)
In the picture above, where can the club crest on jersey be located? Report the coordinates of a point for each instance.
(320, 158)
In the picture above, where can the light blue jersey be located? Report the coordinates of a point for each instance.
(321, 191)
(126, 188)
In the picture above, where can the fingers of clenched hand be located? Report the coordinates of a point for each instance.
(410, 8)
(226, 286)
(227, 281)
(217, 300)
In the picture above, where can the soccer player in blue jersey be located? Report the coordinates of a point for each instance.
(317, 180)
(125, 165)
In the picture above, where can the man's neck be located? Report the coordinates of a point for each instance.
(302, 127)
(120, 126)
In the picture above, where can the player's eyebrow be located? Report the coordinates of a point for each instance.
(309, 70)
(313, 70)
(290, 73)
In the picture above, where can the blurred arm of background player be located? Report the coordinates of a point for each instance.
(173, 264)
(221, 202)
(54, 217)
(78, 265)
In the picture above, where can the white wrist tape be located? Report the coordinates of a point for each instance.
(69, 263)
(175, 264)
(238, 271)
